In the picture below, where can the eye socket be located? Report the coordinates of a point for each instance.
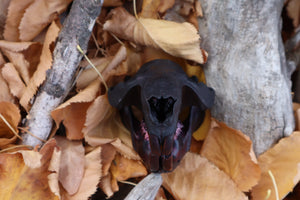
(184, 114)
(137, 113)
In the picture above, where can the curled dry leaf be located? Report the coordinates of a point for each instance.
(11, 114)
(293, 10)
(72, 113)
(5, 94)
(19, 53)
(71, 165)
(123, 168)
(232, 152)
(158, 33)
(150, 8)
(38, 15)
(284, 162)
(196, 178)
(112, 3)
(103, 124)
(45, 63)
(91, 177)
(19, 181)
(13, 79)
(15, 13)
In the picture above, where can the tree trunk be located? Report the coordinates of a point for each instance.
(247, 68)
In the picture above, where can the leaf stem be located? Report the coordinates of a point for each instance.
(89, 61)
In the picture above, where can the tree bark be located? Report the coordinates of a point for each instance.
(76, 30)
(247, 68)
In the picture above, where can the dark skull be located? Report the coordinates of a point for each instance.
(161, 91)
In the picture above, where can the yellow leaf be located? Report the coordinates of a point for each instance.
(283, 161)
(196, 178)
(232, 152)
(159, 34)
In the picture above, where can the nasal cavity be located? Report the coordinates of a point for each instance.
(161, 108)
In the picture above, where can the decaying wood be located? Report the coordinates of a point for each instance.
(76, 31)
(146, 189)
(247, 68)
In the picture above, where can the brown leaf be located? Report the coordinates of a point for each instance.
(11, 114)
(196, 178)
(150, 8)
(284, 162)
(123, 168)
(16, 10)
(296, 109)
(103, 122)
(158, 34)
(91, 177)
(13, 79)
(72, 113)
(232, 152)
(5, 94)
(45, 63)
(17, 52)
(107, 156)
(38, 15)
(19, 181)
(112, 3)
(71, 165)
(293, 10)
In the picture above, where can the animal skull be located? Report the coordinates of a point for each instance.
(161, 91)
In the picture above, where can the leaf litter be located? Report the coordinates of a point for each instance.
(95, 151)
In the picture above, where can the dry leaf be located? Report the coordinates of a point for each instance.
(13, 79)
(196, 178)
(11, 114)
(165, 5)
(284, 162)
(296, 109)
(5, 94)
(19, 181)
(232, 152)
(16, 10)
(150, 8)
(106, 186)
(122, 169)
(158, 33)
(112, 3)
(107, 156)
(91, 177)
(293, 10)
(71, 165)
(38, 15)
(19, 53)
(103, 122)
(72, 113)
(45, 63)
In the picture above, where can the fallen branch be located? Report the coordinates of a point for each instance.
(146, 189)
(76, 30)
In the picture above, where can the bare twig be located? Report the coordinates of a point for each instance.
(146, 189)
(76, 30)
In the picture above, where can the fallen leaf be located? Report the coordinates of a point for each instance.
(293, 10)
(11, 114)
(107, 156)
(231, 151)
(150, 8)
(165, 5)
(284, 162)
(91, 177)
(15, 13)
(19, 181)
(72, 113)
(202, 131)
(71, 165)
(112, 3)
(17, 52)
(45, 63)
(103, 122)
(15, 83)
(106, 186)
(38, 15)
(196, 178)
(157, 33)
(123, 168)
(296, 109)
(5, 94)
